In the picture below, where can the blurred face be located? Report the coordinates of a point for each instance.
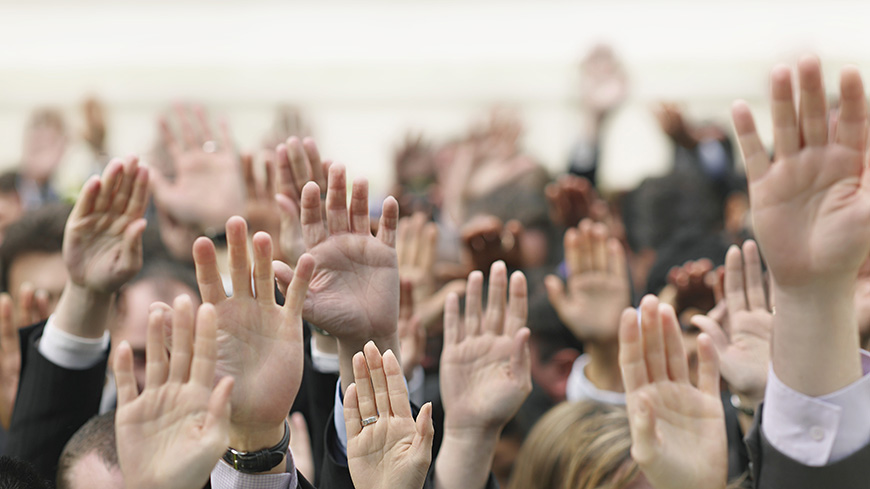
(44, 147)
(45, 271)
(90, 472)
(10, 211)
(131, 322)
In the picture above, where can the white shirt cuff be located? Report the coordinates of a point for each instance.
(817, 431)
(70, 351)
(580, 388)
(325, 363)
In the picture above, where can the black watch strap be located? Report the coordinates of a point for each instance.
(261, 460)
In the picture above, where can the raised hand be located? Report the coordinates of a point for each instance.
(598, 286)
(259, 343)
(416, 247)
(102, 245)
(690, 287)
(298, 163)
(174, 432)
(485, 375)
(10, 361)
(677, 430)
(386, 447)
(207, 185)
(811, 210)
(572, 199)
(744, 348)
(261, 208)
(487, 240)
(31, 306)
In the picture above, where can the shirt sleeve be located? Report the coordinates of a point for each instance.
(70, 351)
(818, 431)
(580, 388)
(225, 477)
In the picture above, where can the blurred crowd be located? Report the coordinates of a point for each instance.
(204, 315)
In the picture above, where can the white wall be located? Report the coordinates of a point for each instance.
(365, 71)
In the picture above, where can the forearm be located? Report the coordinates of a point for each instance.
(816, 343)
(348, 347)
(83, 312)
(603, 367)
(465, 458)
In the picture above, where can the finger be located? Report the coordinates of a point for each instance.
(125, 381)
(294, 299)
(572, 251)
(138, 202)
(378, 377)
(86, 201)
(851, 128)
(425, 427)
(452, 325)
(598, 240)
(239, 260)
(359, 207)
(41, 306)
(352, 417)
(678, 369)
(389, 221)
(754, 276)
(735, 294)
(299, 164)
(642, 423)
(203, 125)
(226, 142)
(219, 407)
(202, 367)
(631, 361)
(518, 304)
(168, 136)
(156, 359)
(473, 306)
(129, 171)
(398, 393)
(754, 154)
(131, 253)
(249, 175)
(616, 261)
(708, 366)
(188, 135)
(653, 340)
(712, 328)
(493, 321)
(428, 247)
(313, 232)
(336, 200)
(584, 246)
(283, 275)
(182, 339)
(786, 134)
(26, 293)
(521, 356)
(286, 183)
(270, 183)
(813, 108)
(317, 168)
(264, 277)
(555, 291)
(414, 237)
(406, 299)
(108, 185)
(208, 278)
(404, 247)
(365, 393)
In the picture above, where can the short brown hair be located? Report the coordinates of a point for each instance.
(39, 230)
(95, 436)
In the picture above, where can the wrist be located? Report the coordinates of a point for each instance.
(603, 367)
(248, 439)
(257, 452)
(82, 311)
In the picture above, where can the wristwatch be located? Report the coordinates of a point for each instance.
(261, 460)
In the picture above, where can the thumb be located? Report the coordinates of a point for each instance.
(642, 423)
(132, 251)
(555, 291)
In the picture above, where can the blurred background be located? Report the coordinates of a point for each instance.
(364, 73)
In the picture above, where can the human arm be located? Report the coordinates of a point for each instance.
(394, 450)
(485, 375)
(677, 429)
(174, 432)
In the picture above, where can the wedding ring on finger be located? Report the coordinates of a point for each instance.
(209, 146)
(369, 420)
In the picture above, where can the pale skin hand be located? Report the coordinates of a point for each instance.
(173, 434)
(206, 189)
(744, 350)
(485, 375)
(677, 430)
(102, 246)
(412, 335)
(598, 286)
(298, 163)
(396, 450)
(10, 361)
(259, 343)
(31, 307)
(811, 209)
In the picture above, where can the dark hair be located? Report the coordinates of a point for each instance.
(17, 474)
(39, 230)
(9, 182)
(686, 245)
(95, 436)
(548, 331)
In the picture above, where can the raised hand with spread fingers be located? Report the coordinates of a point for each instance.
(174, 432)
(485, 374)
(677, 430)
(386, 447)
(259, 343)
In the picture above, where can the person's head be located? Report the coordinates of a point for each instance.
(45, 142)
(10, 202)
(17, 474)
(579, 445)
(90, 458)
(159, 280)
(32, 252)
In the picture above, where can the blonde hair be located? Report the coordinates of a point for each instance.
(577, 445)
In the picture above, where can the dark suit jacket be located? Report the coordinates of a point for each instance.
(771, 469)
(52, 403)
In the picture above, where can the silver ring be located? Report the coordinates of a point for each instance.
(209, 146)
(369, 420)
